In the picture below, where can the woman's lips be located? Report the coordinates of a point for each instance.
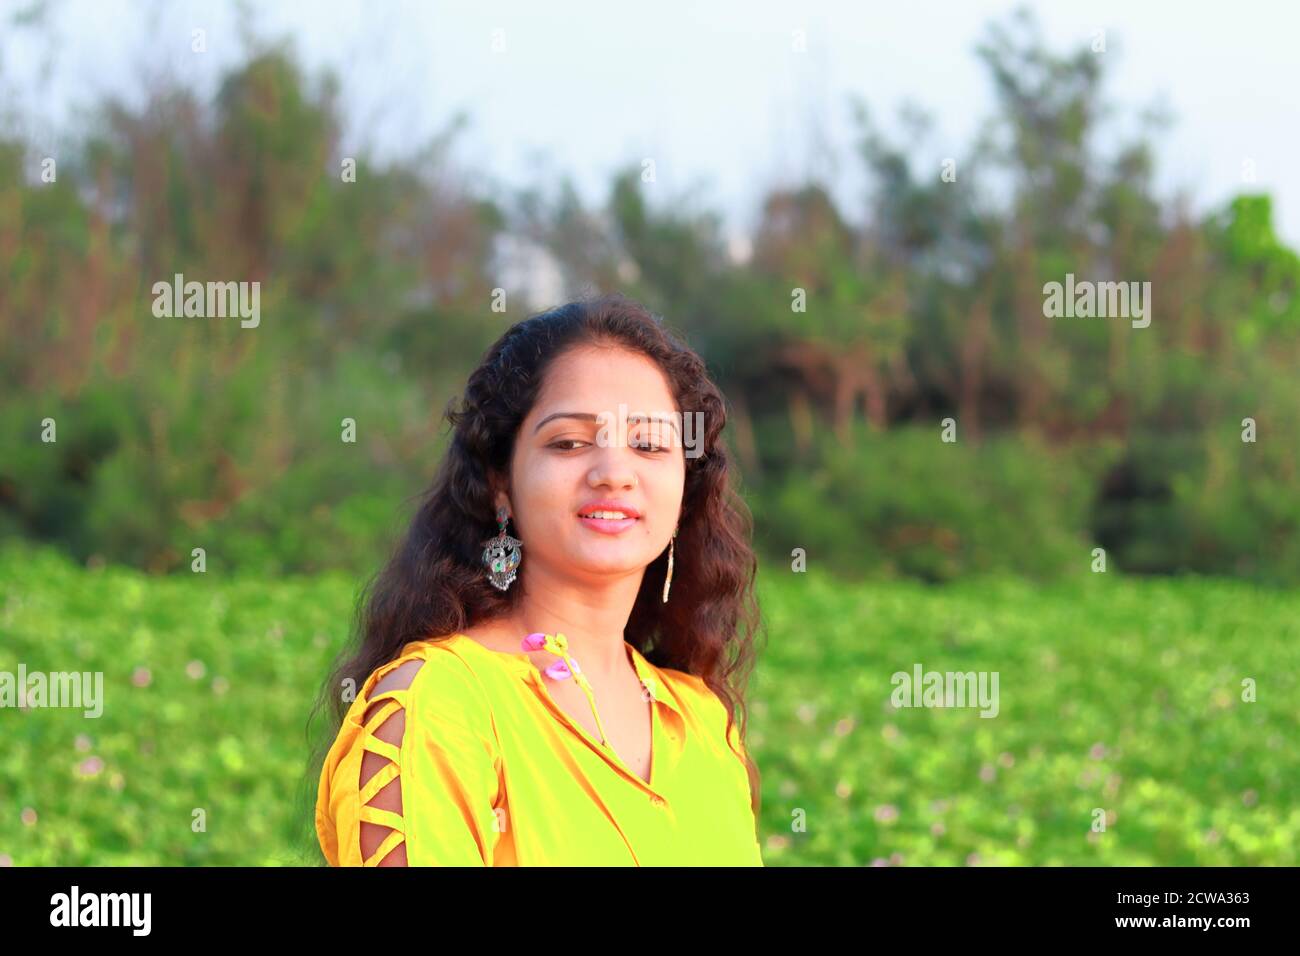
(608, 525)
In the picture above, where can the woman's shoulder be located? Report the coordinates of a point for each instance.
(689, 686)
(427, 697)
(434, 687)
(437, 680)
(704, 701)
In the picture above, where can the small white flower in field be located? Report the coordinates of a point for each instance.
(195, 669)
(141, 677)
(988, 772)
(843, 726)
(843, 790)
(886, 813)
(889, 731)
(82, 742)
(1211, 835)
(895, 859)
(806, 713)
(220, 685)
(28, 816)
(1098, 751)
(1006, 760)
(938, 829)
(973, 860)
(1250, 798)
(880, 861)
(6, 860)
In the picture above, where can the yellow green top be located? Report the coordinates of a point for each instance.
(494, 773)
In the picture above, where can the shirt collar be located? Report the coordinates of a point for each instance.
(653, 680)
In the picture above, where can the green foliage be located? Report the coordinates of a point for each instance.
(208, 680)
(376, 301)
(904, 502)
(1114, 693)
(1199, 488)
(1244, 236)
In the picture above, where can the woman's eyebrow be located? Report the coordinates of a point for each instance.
(582, 416)
(653, 418)
(590, 417)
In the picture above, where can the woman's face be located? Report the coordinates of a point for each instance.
(563, 465)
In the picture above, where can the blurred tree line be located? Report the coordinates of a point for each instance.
(926, 303)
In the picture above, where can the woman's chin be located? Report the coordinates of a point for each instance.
(608, 561)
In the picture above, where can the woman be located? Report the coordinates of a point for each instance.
(550, 664)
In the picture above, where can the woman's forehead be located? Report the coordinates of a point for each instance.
(605, 384)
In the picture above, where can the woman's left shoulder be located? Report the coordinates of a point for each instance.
(693, 685)
(702, 701)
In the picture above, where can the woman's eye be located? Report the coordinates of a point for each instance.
(640, 446)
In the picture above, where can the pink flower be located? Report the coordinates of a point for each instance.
(558, 671)
(534, 641)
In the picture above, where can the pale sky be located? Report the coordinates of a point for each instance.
(713, 92)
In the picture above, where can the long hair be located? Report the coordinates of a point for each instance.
(435, 585)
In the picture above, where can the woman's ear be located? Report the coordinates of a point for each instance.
(500, 496)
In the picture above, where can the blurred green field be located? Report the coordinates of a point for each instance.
(1115, 693)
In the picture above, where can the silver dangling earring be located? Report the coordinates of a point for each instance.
(501, 555)
(668, 578)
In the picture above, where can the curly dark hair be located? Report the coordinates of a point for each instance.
(434, 584)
